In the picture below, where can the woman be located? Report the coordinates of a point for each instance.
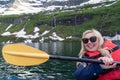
(93, 46)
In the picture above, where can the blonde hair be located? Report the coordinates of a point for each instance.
(100, 49)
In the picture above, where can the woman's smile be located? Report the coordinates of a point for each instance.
(90, 46)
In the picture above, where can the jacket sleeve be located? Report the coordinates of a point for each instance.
(90, 72)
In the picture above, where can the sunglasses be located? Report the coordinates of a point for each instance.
(92, 39)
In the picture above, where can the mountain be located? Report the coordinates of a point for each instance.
(34, 6)
(62, 24)
(9, 7)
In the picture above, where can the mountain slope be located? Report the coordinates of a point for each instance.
(35, 6)
(9, 7)
(63, 23)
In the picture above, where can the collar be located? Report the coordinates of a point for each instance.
(91, 54)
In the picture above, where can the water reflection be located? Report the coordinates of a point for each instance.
(58, 48)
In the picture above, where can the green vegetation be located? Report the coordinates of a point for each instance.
(70, 22)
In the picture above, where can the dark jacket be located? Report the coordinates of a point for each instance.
(89, 72)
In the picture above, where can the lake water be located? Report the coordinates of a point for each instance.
(50, 70)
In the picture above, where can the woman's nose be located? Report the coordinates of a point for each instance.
(89, 41)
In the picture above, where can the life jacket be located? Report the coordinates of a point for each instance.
(114, 74)
(115, 53)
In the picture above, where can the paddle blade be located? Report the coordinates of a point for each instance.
(23, 55)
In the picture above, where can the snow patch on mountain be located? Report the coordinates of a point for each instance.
(35, 6)
(29, 38)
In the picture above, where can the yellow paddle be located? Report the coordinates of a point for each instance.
(23, 55)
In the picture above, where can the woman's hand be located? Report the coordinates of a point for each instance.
(108, 62)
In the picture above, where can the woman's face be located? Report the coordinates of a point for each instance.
(91, 42)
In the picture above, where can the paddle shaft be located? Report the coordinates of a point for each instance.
(78, 59)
